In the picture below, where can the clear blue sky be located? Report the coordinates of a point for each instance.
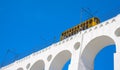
(30, 25)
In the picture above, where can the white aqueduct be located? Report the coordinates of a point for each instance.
(80, 48)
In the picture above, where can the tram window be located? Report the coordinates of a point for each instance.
(78, 27)
(87, 24)
(90, 21)
(72, 33)
(62, 34)
(63, 37)
(97, 20)
(68, 31)
(65, 34)
(69, 35)
(75, 31)
(75, 28)
(83, 26)
(72, 29)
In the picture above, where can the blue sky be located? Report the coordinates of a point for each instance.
(30, 25)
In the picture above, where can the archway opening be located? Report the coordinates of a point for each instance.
(60, 60)
(38, 65)
(66, 66)
(104, 59)
(92, 49)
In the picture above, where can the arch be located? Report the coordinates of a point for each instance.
(60, 60)
(38, 65)
(104, 60)
(92, 48)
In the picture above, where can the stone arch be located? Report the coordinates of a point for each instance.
(38, 65)
(92, 48)
(60, 60)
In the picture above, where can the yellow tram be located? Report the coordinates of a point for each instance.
(85, 25)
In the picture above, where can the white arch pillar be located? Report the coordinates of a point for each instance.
(117, 61)
(117, 55)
